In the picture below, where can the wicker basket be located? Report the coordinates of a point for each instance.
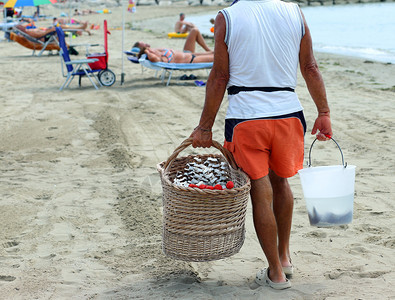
(202, 225)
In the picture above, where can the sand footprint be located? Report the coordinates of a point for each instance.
(390, 243)
(354, 272)
(7, 278)
(315, 234)
(372, 229)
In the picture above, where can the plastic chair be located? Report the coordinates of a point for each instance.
(78, 67)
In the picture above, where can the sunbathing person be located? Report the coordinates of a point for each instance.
(71, 24)
(172, 56)
(183, 26)
(37, 33)
(40, 33)
(190, 43)
(194, 37)
(84, 12)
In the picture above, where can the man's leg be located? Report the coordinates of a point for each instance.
(195, 37)
(265, 225)
(283, 207)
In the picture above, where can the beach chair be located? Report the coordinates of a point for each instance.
(47, 42)
(132, 55)
(71, 68)
(167, 69)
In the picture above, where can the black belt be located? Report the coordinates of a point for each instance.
(233, 90)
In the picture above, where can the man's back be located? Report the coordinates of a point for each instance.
(263, 34)
(263, 42)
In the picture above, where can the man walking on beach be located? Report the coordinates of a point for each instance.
(265, 126)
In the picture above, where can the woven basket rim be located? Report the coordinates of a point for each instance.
(165, 176)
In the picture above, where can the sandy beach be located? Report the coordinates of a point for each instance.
(80, 196)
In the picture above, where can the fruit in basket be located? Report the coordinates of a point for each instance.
(230, 185)
(202, 186)
(192, 185)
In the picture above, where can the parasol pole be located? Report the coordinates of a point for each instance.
(123, 35)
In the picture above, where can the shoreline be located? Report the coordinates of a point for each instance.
(162, 24)
(81, 197)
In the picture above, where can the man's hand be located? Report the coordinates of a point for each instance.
(202, 137)
(323, 125)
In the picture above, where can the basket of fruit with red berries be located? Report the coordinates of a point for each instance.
(204, 205)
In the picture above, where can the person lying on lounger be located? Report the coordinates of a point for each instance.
(188, 55)
(37, 33)
(174, 56)
(84, 12)
(194, 37)
(71, 24)
(40, 33)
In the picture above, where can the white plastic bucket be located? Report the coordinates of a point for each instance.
(329, 193)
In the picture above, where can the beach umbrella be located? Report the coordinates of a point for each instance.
(23, 3)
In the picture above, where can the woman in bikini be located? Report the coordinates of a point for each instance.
(173, 56)
(188, 55)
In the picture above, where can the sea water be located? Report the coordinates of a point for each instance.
(361, 30)
(324, 212)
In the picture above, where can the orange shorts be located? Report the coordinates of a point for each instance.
(269, 143)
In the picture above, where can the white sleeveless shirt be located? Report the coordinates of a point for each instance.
(263, 39)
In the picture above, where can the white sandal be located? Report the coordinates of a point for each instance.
(262, 278)
(288, 271)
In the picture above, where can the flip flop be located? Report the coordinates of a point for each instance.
(200, 83)
(262, 278)
(192, 77)
(184, 77)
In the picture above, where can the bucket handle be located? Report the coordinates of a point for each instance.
(311, 147)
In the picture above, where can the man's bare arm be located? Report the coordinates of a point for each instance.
(215, 88)
(315, 85)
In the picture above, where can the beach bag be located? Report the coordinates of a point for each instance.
(202, 224)
(73, 51)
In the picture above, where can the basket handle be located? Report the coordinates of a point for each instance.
(188, 142)
(311, 147)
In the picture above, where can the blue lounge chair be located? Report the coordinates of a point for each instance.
(168, 68)
(78, 67)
